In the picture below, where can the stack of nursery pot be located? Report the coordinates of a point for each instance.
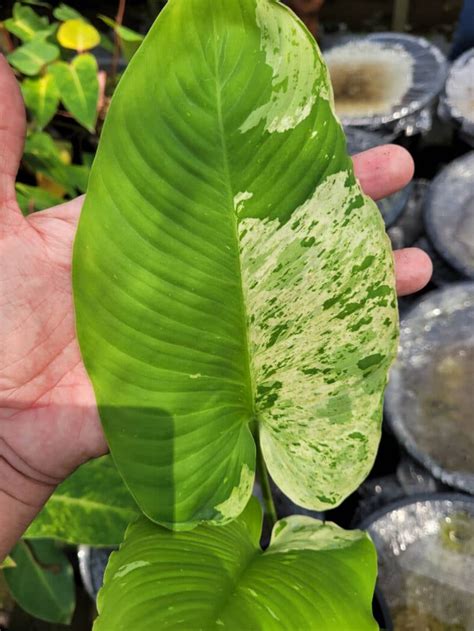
(424, 542)
(457, 101)
(387, 82)
(234, 316)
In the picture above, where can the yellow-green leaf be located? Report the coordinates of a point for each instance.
(50, 162)
(8, 563)
(78, 35)
(79, 87)
(92, 507)
(41, 97)
(26, 24)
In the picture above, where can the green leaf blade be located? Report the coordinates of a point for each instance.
(41, 97)
(79, 87)
(316, 575)
(42, 582)
(91, 507)
(227, 269)
(33, 56)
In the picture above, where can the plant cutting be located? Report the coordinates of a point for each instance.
(235, 283)
(236, 311)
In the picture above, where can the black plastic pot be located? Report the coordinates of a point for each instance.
(426, 402)
(408, 534)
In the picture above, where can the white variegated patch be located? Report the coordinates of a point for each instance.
(130, 567)
(299, 532)
(239, 495)
(293, 94)
(239, 200)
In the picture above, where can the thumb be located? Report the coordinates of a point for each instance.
(12, 133)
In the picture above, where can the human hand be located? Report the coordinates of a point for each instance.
(49, 422)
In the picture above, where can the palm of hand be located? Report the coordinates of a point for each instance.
(48, 417)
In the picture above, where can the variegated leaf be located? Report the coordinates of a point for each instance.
(229, 274)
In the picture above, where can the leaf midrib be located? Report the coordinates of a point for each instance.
(26, 28)
(235, 581)
(77, 83)
(230, 195)
(43, 90)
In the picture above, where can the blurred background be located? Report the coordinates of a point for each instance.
(402, 72)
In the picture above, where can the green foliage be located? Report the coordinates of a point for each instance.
(312, 576)
(91, 507)
(232, 285)
(79, 87)
(41, 97)
(228, 272)
(50, 77)
(33, 198)
(43, 156)
(42, 582)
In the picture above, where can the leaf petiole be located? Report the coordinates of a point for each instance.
(264, 480)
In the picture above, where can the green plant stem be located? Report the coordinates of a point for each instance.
(264, 479)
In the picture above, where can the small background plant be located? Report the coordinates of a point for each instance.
(67, 70)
